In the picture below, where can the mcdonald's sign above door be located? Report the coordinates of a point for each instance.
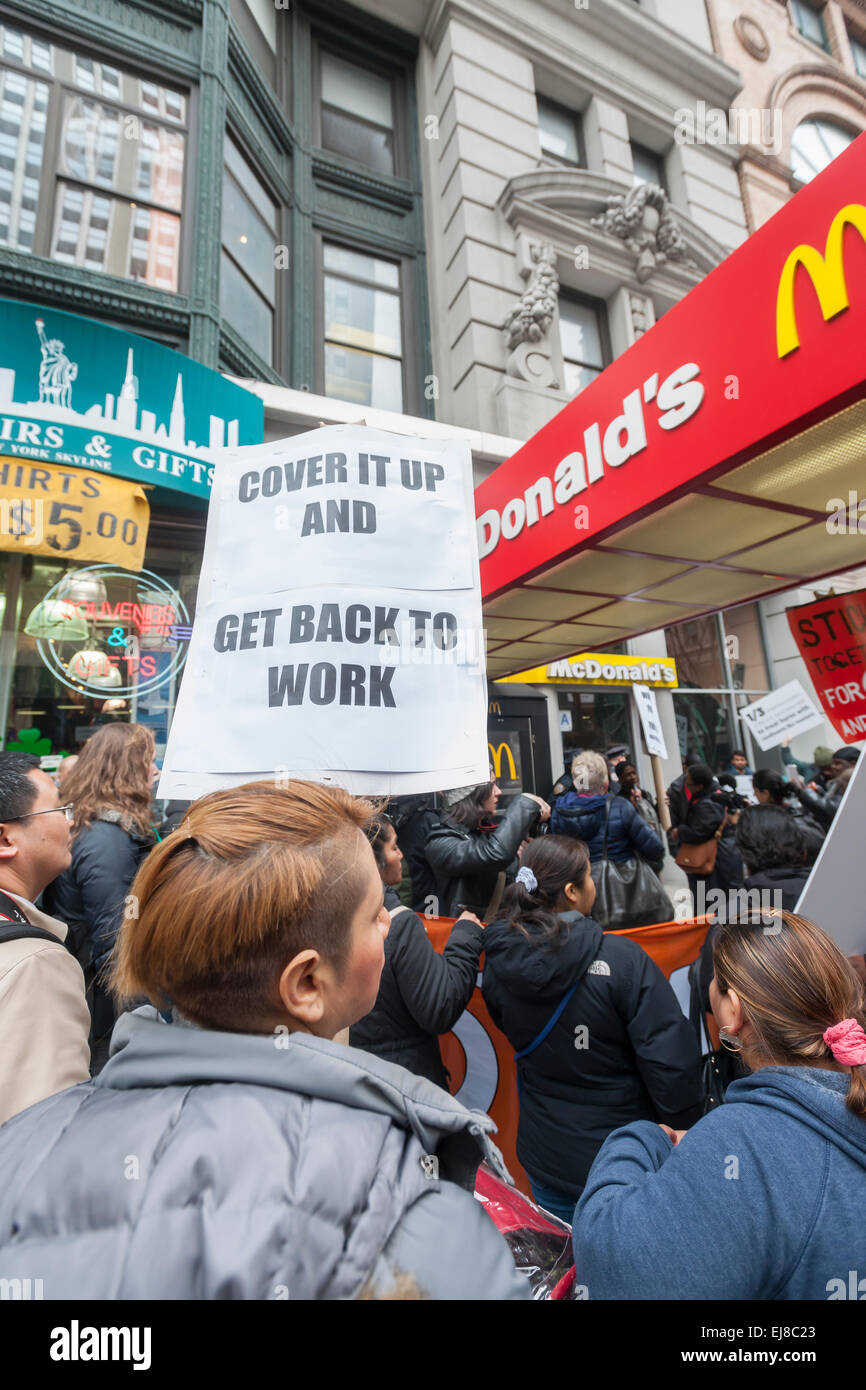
(769, 344)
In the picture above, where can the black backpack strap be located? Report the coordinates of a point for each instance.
(10, 909)
(19, 927)
(13, 931)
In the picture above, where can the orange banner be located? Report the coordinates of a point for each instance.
(480, 1059)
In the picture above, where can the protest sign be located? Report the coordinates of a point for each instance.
(338, 629)
(781, 714)
(831, 639)
(648, 710)
(833, 894)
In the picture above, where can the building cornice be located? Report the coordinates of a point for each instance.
(662, 50)
(144, 34)
(91, 292)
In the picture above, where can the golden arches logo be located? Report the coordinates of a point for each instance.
(496, 759)
(826, 272)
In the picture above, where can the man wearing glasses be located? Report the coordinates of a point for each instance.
(44, 1018)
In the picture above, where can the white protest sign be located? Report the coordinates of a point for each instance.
(781, 714)
(338, 633)
(648, 709)
(833, 895)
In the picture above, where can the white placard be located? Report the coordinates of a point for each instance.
(833, 895)
(648, 710)
(565, 721)
(781, 714)
(745, 787)
(338, 633)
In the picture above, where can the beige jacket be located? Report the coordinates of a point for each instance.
(44, 1018)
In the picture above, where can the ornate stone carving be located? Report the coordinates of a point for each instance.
(642, 316)
(527, 323)
(752, 37)
(644, 219)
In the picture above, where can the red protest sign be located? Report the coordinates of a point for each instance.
(831, 638)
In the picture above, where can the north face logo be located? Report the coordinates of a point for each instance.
(599, 967)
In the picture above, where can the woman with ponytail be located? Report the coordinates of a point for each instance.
(764, 1198)
(599, 1037)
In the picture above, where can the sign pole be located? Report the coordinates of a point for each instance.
(661, 792)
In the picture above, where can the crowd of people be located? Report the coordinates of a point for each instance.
(220, 1036)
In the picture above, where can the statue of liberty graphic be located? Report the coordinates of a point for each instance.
(56, 372)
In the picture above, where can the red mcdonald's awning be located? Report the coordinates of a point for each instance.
(699, 469)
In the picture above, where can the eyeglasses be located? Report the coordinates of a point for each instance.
(68, 811)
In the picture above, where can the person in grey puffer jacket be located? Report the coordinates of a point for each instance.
(237, 1151)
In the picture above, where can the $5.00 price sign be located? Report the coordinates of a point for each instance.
(46, 509)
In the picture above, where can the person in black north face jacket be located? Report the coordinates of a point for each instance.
(621, 1050)
(421, 993)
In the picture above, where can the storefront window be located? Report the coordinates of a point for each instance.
(722, 667)
(695, 645)
(599, 719)
(92, 644)
(744, 649)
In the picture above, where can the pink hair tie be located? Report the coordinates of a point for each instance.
(847, 1042)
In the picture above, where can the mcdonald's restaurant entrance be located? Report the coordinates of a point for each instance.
(518, 741)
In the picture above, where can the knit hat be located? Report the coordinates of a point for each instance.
(451, 798)
(847, 755)
(823, 756)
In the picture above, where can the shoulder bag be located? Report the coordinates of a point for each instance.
(628, 893)
(701, 858)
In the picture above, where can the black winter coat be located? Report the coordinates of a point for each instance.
(788, 881)
(421, 993)
(698, 820)
(638, 1059)
(414, 818)
(823, 806)
(467, 863)
(90, 897)
(628, 834)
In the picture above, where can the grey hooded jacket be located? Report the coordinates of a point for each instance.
(207, 1165)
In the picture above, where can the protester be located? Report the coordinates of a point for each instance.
(774, 848)
(739, 764)
(584, 813)
(473, 856)
(64, 767)
(617, 756)
(421, 993)
(641, 800)
(564, 783)
(763, 1198)
(414, 817)
(44, 1019)
(110, 789)
(699, 814)
(599, 1036)
(818, 771)
(824, 805)
(771, 789)
(273, 1162)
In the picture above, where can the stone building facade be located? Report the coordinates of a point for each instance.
(803, 66)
